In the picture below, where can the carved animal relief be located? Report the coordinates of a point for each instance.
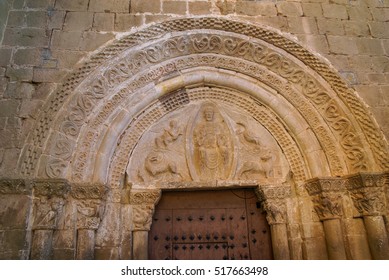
(204, 142)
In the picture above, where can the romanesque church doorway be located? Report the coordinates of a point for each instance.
(227, 224)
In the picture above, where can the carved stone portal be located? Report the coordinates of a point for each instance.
(205, 141)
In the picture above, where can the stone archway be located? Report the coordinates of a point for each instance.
(130, 119)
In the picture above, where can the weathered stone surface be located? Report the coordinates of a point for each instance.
(174, 7)
(199, 7)
(150, 6)
(330, 26)
(78, 21)
(292, 9)
(343, 45)
(103, 22)
(334, 11)
(43, 4)
(256, 8)
(14, 211)
(66, 40)
(48, 75)
(72, 5)
(93, 40)
(124, 22)
(26, 37)
(19, 74)
(312, 9)
(27, 57)
(5, 56)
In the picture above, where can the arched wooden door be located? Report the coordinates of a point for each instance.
(213, 225)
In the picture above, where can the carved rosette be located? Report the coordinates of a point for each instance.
(367, 191)
(326, 196)
(143, 208)
(274, 202)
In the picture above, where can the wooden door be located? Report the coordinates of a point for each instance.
(211, 225)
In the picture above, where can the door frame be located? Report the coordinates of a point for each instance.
(273, 198)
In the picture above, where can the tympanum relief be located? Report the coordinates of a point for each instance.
(206, 142)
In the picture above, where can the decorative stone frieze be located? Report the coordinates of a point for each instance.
(145, 197)
(51, 188)
(89, 191)
(14, 186)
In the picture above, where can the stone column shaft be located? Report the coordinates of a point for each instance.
(274, 203)
(334, 239)
(377, 237)
(279, 239)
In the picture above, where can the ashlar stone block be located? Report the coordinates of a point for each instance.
(174, 7)
(334, 11)
(72, 5)
(292, 9)
(124, 22)
(256, 8)
(103, 22)
(79, 21)
(149, 6)
(199, 7)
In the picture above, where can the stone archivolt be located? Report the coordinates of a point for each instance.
(97, 94)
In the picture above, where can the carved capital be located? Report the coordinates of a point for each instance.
(47, 212)
(273, 199)
(89, 214)
(367, 191)
(275, 211)
(142, 217)
(145, 197)
(326, 194)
